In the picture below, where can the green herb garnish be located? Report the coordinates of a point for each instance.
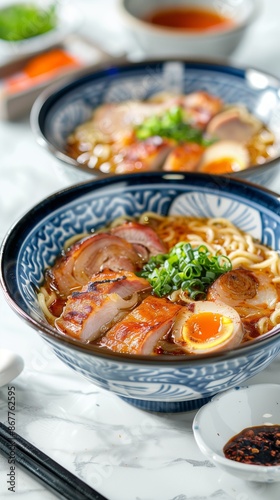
(170, 125)
(26, 20)
(190, 269)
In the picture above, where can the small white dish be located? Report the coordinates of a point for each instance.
(226, 415)
(69, 19)
(11, 365)
(160, 41)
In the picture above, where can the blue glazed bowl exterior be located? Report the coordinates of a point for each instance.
(169, 388)
(162, 383)
(58, 111)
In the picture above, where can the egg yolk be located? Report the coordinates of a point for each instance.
(223, 166)
(206, 329)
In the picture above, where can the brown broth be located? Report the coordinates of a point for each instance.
(189, 18)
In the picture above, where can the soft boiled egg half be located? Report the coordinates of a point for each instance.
(206, 326)
(224, 157)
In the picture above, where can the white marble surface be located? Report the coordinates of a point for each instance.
(123, 452)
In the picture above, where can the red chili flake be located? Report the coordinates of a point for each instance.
(259, 445)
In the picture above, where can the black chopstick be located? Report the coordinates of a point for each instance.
(46, 470)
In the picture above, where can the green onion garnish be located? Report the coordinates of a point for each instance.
(190, 269)
(26, 20)
(171, 125)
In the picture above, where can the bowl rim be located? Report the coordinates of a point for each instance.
(65, 196)
(48, 97)
(219, 458)
(154, 30)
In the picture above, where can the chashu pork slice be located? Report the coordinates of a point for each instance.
(200, 107)
(89, 256)
(144, 156)
(144, 239)
(106, 299)
(142, 328)
(184, 158)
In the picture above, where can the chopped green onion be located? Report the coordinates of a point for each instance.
(190, 269)
(26, 20)
(171, 125)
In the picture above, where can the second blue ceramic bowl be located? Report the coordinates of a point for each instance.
(58, 111)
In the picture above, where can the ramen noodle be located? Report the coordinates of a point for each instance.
(248, 279)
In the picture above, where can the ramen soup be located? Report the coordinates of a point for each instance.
(193, 132)
(164, 285)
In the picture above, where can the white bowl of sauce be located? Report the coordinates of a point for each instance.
(162, 28)
(239, 431)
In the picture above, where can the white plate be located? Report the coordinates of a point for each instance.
(229, 413)
(69, 19)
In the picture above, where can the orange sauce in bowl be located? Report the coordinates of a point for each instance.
(189, 18)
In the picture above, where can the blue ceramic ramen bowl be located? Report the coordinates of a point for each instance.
(59, 110)
(162, 383)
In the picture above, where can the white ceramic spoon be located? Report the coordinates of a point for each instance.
(11, 365)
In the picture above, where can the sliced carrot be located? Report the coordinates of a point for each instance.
(49, 61)
(41, 68)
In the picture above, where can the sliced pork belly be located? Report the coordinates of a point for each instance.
(88, 257)
(143, 238)
(234, 124)
(117, 119)
(124, 283)
(142, 328)
(245, 290)
(143, 156)
(106, 299)
(184, 158)
(200, 107)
